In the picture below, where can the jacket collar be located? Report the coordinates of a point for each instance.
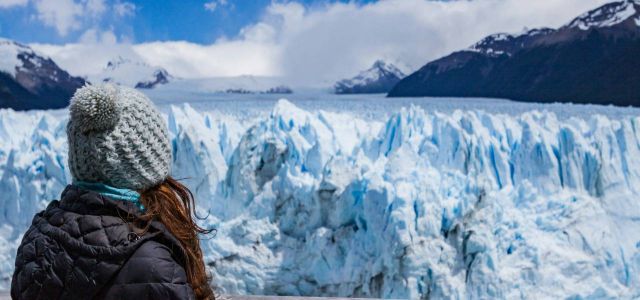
(120, 194)
(89, 202)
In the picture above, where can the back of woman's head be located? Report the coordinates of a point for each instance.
(117, 137)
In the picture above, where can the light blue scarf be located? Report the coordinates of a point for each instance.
(111, 192)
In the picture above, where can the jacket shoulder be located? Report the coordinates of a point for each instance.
(35, 275)
(152, 272)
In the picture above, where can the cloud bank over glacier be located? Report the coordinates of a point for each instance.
(325, 42)
(449, 205)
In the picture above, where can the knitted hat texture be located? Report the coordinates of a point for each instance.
(117, 137)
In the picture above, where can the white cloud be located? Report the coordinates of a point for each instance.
(124, 9)
(12, 3)
(211, 6)
(97, 36)
(95, 7)
(83, 59)
(228, 58)
(63, 15)
(69, 15)
(337, 40)
(215, 4)
(252, 53)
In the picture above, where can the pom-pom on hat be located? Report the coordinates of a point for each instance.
(117, 137)
(95, 108)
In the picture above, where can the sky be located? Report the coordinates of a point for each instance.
(65, 21)
(309, 41)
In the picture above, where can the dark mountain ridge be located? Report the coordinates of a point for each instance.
(31, 81)
(593, 59)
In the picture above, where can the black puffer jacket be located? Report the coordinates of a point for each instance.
(81, 248)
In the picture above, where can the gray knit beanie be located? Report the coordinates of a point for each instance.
(117, 137)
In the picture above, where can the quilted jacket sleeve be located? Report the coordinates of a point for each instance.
(150, 273)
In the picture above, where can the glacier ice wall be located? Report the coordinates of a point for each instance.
(466, 204)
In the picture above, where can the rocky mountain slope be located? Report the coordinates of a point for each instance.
(592, 59)
(29, 80)
(380, 78)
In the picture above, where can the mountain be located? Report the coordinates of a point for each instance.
(380, 78)
(132, 73)
(29, 80)
(592, 59)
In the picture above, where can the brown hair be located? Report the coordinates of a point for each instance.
(172, 203)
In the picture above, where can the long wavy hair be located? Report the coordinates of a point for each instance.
(172, 203)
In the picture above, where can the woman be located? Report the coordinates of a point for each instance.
(124, 228)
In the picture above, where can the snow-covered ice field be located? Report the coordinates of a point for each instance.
(369, 107)
(369, 196)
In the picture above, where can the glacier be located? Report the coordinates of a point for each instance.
(420, 204)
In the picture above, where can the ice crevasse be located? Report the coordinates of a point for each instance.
(466, 204)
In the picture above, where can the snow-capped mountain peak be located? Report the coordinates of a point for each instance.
(608, 15)
(17, 58)
(133, 73)
(30, 80)
(504, 43)
(377, 79)
(626, 13)
(9, 51)
(493, 44)
(380, 69)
